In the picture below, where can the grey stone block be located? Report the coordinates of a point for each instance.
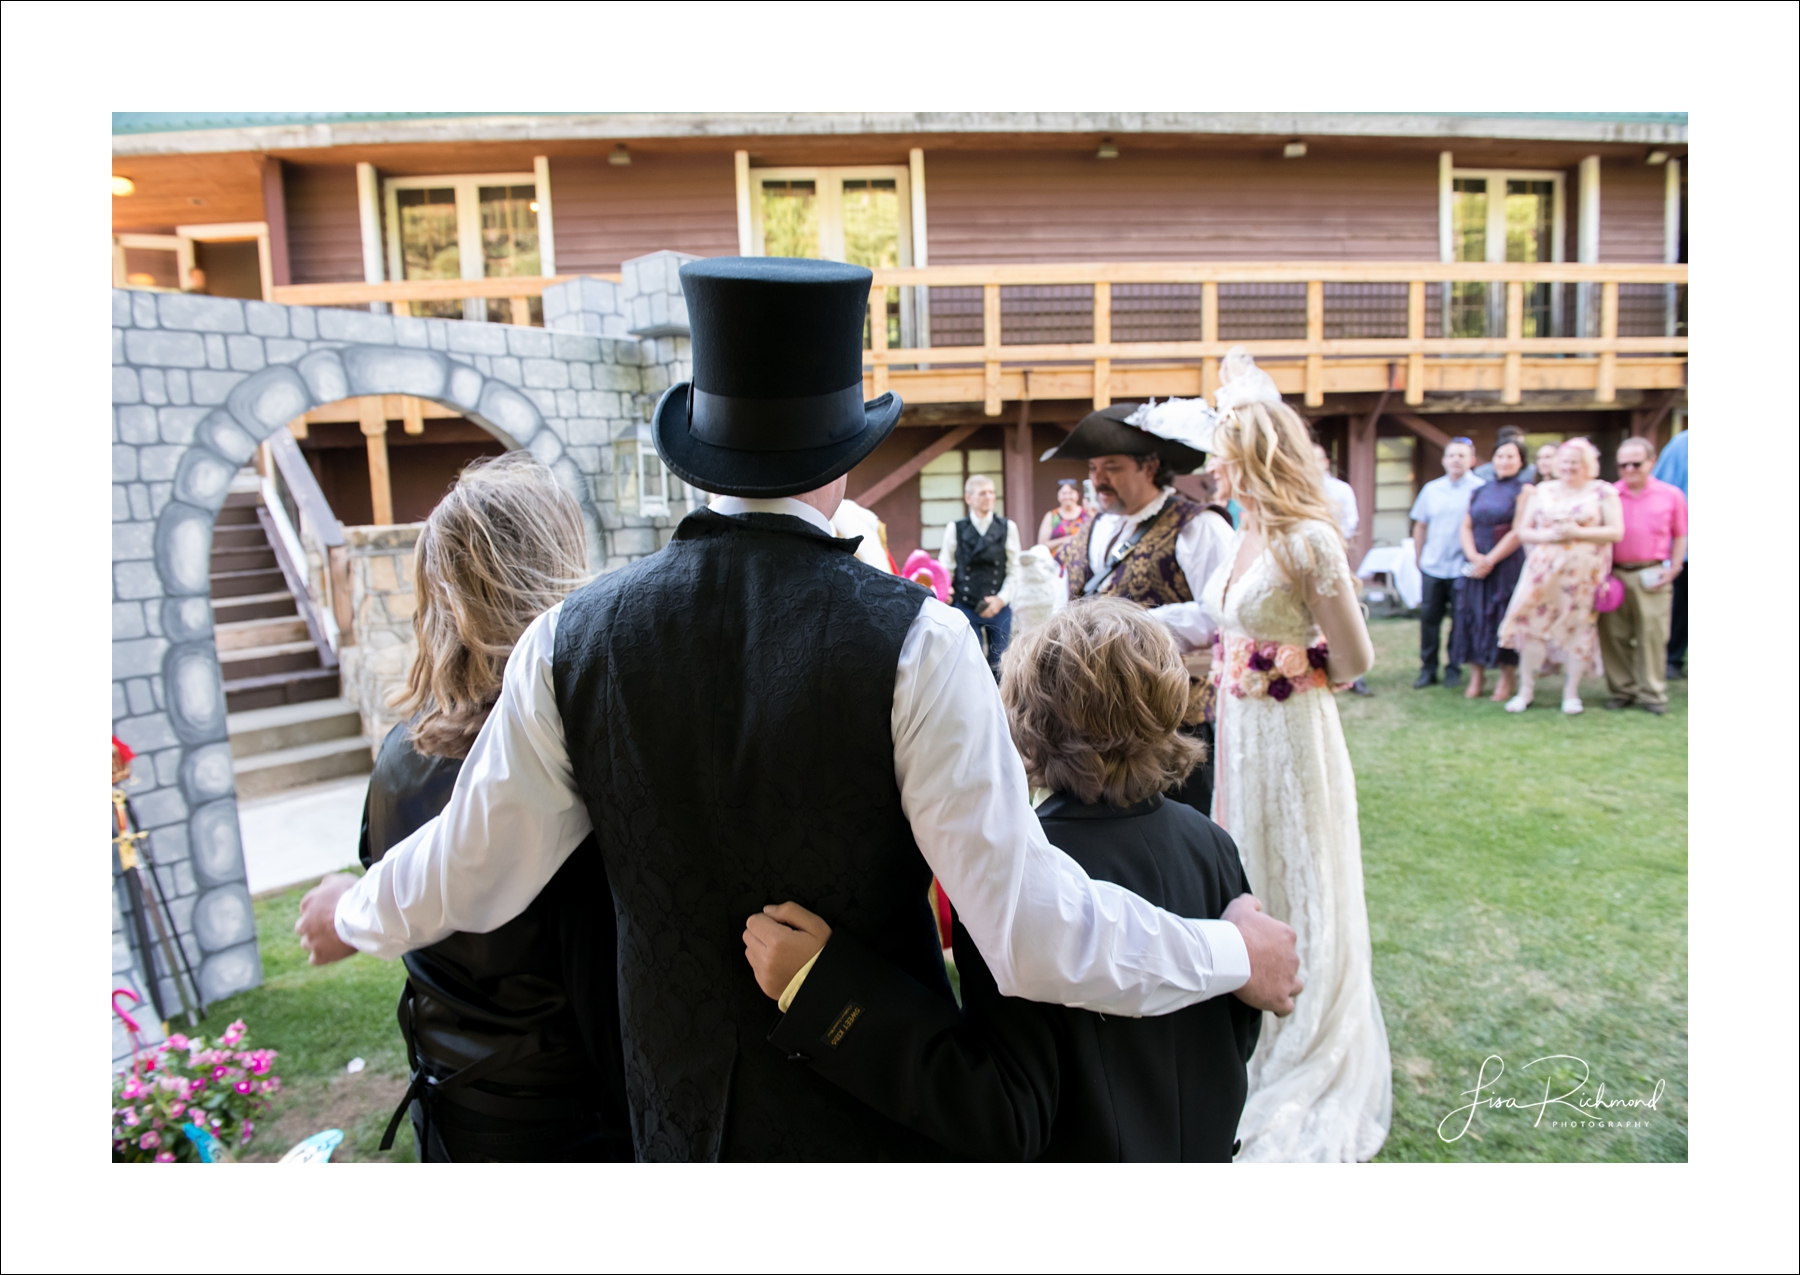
(159, 498)
(177, 424)
(118, 338)
(125, 386)
(439, 334)
(576, 349)
(128, 620)
(138, 657)
(164, 805)
(150, 385)
(509, 412)
(270, 399)
(245, 353)
(142, 701)
(532, 343)
(224, 918)
(121, 301)
(567, 404)
(149, 732)
(218, 854)
(170, 845)
(120, 706)
(206, 774)
(219, 430)
(143, 309)
(121, 502)
(215, 352)
(395, 370)
(187, 619)
(548, 374)
(586, 459)
(581, 376)
(506, 369)
(153, 621)
(197, 696)
(303, 323)
(284, 350)
(184, 548)
(133, 540)
(411, 332)
(264, 319)
(634, 541)
(463, 385)
(356, 325)
(226, 973)
(213, 387)
(324, 375)
(203, 478)
(196, 313)
(615, 376)
(586, 432)
(137, 423)
(180, 392)
(175, 878)
(476, 338)
(543, 400)
(546, 447)
(165, 349)
(157, 463)
(124, 462)
(136, 580)
(168, 767)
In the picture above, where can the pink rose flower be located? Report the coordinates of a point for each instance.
(1291, 662)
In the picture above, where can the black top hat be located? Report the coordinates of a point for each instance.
(775, 407)
(1105, 433)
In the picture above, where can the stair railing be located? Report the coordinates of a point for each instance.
(298, 517)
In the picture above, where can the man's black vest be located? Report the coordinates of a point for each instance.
(728, 707)
(980, 561)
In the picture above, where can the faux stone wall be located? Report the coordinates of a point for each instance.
(383, 599)
(197, 383)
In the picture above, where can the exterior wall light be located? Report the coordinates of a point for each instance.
(1107, 149)
(1294, 150)
(1657, 157)
(123, 186)
(621, 155)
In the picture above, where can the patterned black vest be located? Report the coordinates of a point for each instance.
(980, 561)
(728, 705)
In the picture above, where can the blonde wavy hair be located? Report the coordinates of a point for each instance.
(503, 547)
(1268, 452)
(1095, 696)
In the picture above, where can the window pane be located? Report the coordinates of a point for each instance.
(872, 239)
(1468, 219)
(509, 232)
(428, 244)
(790, 219)
(1530, 227)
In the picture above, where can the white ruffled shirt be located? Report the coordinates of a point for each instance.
(1202, 545)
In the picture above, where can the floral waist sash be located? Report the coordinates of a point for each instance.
(1249, 669)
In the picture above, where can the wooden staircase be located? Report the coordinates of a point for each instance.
(287, 723)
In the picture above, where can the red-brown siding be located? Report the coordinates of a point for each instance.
(1631, 211)
(609, 213)
(324, 225)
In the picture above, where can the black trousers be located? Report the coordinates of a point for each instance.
(455, 1134)
(1678, 621)
(1436, 605)
(1197, 789)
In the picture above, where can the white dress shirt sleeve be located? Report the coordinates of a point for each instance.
(511, 821)
(1199, 549)
(1012, 563)
(1047, 930)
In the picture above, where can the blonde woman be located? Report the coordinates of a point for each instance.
(1569, 527)
(1290, 629)
(510, 1061)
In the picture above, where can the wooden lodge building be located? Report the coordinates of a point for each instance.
(1406, 278)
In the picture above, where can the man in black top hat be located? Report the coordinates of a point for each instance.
(750, 716)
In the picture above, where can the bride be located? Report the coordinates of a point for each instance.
(1291, 629)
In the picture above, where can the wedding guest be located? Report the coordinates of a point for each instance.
(1095, 698)
(981, 553)
(1543, 465)
(1572, 523)
(1062, 524)
(1506, 434)
(1634, 638)
(1437, 517)
(512, 1035)
(1672, 468)
(1341, 495)
(1492, 546)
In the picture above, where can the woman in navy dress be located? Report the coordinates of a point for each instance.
(1496, 558)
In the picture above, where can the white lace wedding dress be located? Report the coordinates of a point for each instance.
(1321, 1079)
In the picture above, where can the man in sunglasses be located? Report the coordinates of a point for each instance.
(1437, 525)
(1634, 639)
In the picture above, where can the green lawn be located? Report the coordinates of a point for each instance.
(1527, 885)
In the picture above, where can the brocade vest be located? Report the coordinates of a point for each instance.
(728, 706)
(1150, 576)
(980, 561)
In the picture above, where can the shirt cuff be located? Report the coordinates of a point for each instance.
(1230, 958)
(793, 987)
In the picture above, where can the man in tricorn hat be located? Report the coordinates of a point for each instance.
(1150, 544)
(751, 715)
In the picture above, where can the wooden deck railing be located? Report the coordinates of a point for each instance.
(517, 291)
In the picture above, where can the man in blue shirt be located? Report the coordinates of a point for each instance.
(1437, 538)
(1671, 468)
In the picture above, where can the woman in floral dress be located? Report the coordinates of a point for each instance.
(1569, 529)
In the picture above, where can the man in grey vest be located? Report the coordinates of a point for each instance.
(981, 553)
(751, 716)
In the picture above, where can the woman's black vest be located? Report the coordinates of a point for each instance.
(538, 990)
(727, 704)
(980, 561)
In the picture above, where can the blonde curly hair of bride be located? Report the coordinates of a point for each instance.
(1269, 452)
(503, 547)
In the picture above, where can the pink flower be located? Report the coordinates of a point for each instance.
(219, 1073)
(150, 1141)
(130, 1118)
(1291, 662)
(165, 1157)
(134, 1089)
(175, 1110)
(234, 1033)
(244, 1086)
(177, 1041)
(1256, 687)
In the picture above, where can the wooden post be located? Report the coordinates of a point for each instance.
(403, 308)
(521, 311)
(1415, 331)
(411, 413)
(274, 196)
(990, 339)
(1102, 336)
(297, 426)
(1315, 333)
(1020, 502)
(373, 415)
(1606, 379)
(1209, 331)
(878, 336)
(1515, 332)
(1362, 476)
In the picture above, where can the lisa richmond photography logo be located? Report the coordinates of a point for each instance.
(1555, 1096)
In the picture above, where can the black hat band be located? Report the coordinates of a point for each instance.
(777, 424)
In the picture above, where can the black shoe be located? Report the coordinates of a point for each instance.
(1656, 709)
(1675, 673)
(1452, 678)
(1427, 677)
(1360, 687)
(1617, 702)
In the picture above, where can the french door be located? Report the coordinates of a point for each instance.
(479, 226)
(1498, 215)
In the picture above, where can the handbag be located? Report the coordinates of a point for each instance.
(1610, 594)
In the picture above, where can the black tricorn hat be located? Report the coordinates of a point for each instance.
(776, 404)
(1105, 433)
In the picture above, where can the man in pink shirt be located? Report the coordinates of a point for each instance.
(1634, 640)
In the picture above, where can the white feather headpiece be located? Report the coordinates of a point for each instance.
(1241, 381)
(1180, 420)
